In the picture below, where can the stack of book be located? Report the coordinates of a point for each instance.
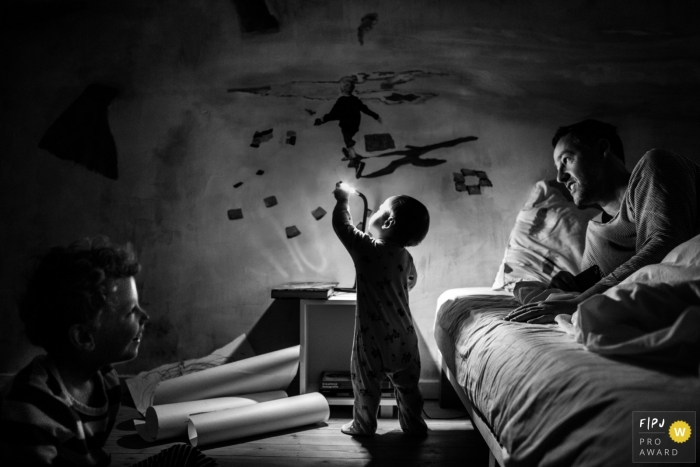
(339, 384)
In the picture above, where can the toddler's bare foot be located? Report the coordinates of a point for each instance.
(349, 429)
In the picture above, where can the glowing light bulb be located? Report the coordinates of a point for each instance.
(345, 187)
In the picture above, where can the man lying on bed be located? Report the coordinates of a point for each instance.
(645, 214)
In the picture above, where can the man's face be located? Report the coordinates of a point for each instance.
(579, 167)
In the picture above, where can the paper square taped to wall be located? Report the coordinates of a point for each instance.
(260, 137)
(474, 190)
(270, 201)
(291, 138)
(292, 231)
(318, 213)
(379, 142)
(234, 214)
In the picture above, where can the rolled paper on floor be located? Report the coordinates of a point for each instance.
(170, 420)
(251, 420)
(268, 372)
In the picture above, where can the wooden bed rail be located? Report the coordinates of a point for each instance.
(497, 452)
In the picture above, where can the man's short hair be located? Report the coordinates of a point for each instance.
(412, 218)
(589, 132)
(71, 286)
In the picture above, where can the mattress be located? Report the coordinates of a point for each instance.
(548, 400)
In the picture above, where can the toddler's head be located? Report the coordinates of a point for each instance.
(83, 299)
(347, 85)
(401, 219)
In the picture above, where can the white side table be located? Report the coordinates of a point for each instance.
(327, 328)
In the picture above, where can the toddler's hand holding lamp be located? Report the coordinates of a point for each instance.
(351, 191)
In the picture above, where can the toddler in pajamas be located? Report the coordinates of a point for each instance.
(385, 342)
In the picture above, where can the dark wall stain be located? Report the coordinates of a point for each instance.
(379, 85)
(81, 134)
(175, 147)
(366, 24)
(254, 17)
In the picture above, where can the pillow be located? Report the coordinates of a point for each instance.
(549, 236)
(680, 264)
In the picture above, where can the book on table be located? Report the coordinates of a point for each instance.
(339, 384)
(320, 290)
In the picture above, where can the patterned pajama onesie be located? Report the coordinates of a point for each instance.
(385, 342)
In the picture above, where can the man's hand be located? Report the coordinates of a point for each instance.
(340, 194)
(565, 281)
(542, 312)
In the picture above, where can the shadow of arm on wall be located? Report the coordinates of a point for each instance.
(412, 155)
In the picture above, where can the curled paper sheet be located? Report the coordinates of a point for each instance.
(170, 420)
(268, 372)
(143, 385)
(257, 419)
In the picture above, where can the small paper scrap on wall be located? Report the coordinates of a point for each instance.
(291, 138)
(318, 213)
(238, 184)
(292, 231)
(260, 137)
(459, 179)
(234, 214)
(270, 201)
(260, 172)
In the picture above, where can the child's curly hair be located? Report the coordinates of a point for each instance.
(72, 285)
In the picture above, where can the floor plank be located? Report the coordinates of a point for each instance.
(452, 441)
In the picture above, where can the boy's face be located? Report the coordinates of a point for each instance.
(120, 325)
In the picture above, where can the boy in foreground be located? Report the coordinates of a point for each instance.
(82, 307)
(385, 342)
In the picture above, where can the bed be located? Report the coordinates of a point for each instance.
(544, 395)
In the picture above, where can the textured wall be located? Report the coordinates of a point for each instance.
(508, 75)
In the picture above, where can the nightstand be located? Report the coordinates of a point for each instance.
(326, 329)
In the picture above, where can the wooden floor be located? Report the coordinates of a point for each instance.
(451, 442)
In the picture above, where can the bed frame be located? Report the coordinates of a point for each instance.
(497, 452)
